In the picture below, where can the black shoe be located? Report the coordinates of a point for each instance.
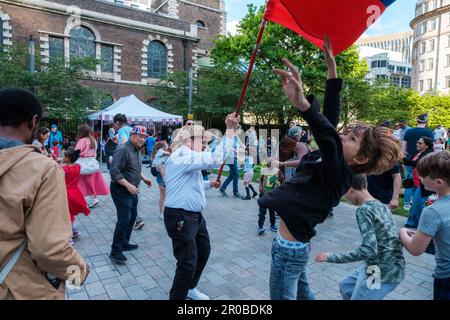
(255, 195)
(261, 231)
(118, 257)
(246, 198)
(138, 225)
(130, 247)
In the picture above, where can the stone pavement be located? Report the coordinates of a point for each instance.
(238, 268)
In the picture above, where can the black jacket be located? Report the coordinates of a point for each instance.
(321, 178)
(409, 162)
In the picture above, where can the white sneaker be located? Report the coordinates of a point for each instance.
(194, 294)
(93, 203)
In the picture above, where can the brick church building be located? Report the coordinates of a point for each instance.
(137, 41)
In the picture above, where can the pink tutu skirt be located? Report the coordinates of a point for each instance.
(93, 185)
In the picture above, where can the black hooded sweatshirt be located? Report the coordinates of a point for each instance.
(321, 178)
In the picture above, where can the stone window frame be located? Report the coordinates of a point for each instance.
(144, 57)
(6, 29)
(201, 24)
(117, 50)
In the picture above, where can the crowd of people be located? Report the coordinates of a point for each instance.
(301, 186)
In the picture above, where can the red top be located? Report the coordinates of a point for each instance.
(416, 177)
(77, 203)
(55, 153)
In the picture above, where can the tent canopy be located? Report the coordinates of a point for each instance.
(136, 111)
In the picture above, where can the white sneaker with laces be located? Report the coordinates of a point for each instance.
(194, 294)
(93, 203)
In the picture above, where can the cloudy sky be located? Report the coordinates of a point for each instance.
(395, 19)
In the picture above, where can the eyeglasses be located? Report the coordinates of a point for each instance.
(418, 142)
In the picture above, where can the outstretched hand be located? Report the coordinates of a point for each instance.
(329, 58)
(215, 184)
(292, 86)
(321, 257)
(231, 121)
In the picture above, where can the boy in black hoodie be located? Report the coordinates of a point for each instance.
(321, 179)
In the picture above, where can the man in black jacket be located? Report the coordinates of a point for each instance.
(322, 178)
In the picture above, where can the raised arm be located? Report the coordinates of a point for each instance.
(333, 86)
(324, 132)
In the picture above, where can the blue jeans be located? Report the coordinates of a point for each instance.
(288, 273)
(355, 287)
(126, 205)
(408, 191)
(418, 203)
(233, 175)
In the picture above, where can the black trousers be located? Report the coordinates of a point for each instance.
(191, 248)
(441, 289)
(126, 205)
(262, 215)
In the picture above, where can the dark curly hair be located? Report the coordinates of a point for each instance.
(72, 154)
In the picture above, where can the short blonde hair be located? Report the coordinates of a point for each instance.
(189, 132)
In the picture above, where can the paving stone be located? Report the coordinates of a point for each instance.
(136, 293)
(115, 290)
(78, 296)
(95, 289)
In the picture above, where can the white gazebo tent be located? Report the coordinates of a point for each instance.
(136, 112)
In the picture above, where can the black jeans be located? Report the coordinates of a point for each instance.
(191, 248)
(262, 215)
(442, 289)
(126, 205)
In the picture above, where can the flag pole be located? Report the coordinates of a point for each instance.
(247, 80)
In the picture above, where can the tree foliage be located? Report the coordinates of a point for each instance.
(57, 84)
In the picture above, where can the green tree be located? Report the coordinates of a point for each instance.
(57, 84)
(216, 91)
(437, 107)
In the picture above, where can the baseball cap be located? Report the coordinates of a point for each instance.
(53, 126)
(423, 118)
(294, 131)
(139, 130)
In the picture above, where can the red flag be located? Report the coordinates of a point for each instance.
(344, 21)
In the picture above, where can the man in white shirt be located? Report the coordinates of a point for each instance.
(440, 132)
(185, 202)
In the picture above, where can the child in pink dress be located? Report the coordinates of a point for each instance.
(77, 204)
(91, 185)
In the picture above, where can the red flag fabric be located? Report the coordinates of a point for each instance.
(344, 21)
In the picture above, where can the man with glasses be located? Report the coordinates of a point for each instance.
(125, 178)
